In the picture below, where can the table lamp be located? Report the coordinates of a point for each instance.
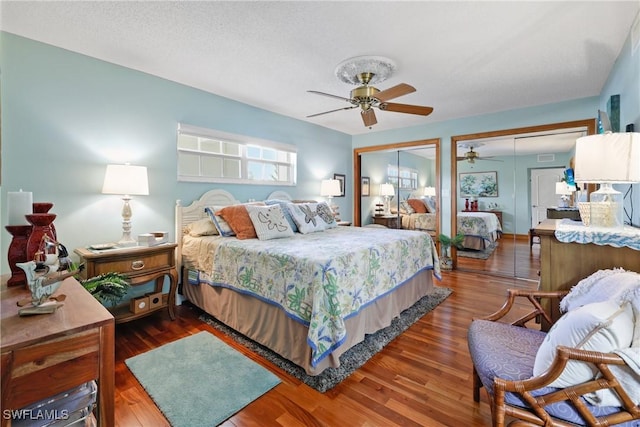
(126, 180)
(564, 191)
(387, 191)
(330, 188)
(606, 159)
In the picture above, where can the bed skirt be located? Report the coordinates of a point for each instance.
(271, 327)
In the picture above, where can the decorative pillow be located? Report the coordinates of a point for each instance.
(269, 222)
(602, 326)
(417, 205)
(283, 204)
(430, 202)
(600, 286)
(238, 219)
(406, 207)
(224, 229)
(312, 217)
(201, 227)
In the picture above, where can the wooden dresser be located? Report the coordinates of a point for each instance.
(47, 354)
(562, 265)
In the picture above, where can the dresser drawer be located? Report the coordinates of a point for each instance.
(61, 363)
(135, 264)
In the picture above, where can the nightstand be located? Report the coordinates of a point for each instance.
(141, 264)
(389, 221)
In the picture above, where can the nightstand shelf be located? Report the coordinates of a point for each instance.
(141, 265)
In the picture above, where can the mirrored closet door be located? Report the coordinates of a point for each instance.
(508, 173)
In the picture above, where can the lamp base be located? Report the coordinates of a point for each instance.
(607, 210)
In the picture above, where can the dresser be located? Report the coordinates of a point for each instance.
(562, 265)
(47, 354)
(559, 213)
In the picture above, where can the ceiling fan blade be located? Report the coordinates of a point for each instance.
(406, 108)
(332, 111)
(331, 96)
(369, 117)
(394, 92)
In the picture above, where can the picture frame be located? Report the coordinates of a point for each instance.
(366, 186)
(342, 179)
(478, 184)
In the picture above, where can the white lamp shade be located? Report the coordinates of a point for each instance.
(563, 188)
(608, 158)
(430, 191)
(387, 190)
(330, 188)
(126, 180)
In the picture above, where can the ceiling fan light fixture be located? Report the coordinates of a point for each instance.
(375, 68)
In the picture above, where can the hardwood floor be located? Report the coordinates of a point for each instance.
(422, 378)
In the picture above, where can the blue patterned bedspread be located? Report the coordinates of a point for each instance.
(319, 279)
(568, 231)
(479, 224)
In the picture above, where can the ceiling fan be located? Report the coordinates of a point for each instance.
(471, 156)
(368, 97)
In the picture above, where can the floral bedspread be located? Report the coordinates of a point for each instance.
(419, 221)
(479, 224)
(319, 279)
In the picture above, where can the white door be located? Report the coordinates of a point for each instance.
(543, 192)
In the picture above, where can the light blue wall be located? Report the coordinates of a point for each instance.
(65, 116)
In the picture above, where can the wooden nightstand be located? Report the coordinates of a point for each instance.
(142, 265)
(389, 221)
(47, 354)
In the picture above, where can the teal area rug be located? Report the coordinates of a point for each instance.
(199, 380)
(353, 358)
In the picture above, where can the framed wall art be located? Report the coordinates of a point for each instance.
(365, 186)
(342, 179)
(478, 184)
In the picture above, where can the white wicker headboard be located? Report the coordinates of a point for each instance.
(185, 215)
(280, 195)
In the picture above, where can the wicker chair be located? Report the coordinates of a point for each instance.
(503, 355)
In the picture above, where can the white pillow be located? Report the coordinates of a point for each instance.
(312, 217)
(223, 227)
(269, 222)
(602, 326)
(201, 227)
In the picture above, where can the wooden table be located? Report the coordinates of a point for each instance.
(47, 354)
(563, 265)
(141, 265)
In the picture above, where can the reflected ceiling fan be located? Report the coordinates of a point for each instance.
(367, 97)
(471, 156)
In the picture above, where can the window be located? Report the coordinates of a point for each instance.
(206, 155)
(407, 178)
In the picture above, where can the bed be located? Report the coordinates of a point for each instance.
(308, 297)
(481, 229)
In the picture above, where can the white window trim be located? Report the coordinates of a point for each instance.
(244, 141)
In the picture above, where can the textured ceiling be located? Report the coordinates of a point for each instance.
(464, 58)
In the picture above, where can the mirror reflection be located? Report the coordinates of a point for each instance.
(505, 185)
(399, 186)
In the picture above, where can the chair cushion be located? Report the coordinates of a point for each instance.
(502, 350)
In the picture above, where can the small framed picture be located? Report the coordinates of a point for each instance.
(365, 186)
(342, 179)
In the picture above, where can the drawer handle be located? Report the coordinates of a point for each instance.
(137, 265)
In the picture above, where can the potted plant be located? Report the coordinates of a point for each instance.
(445, 243)
(109, 288)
